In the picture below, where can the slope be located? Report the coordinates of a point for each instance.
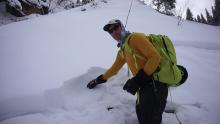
(39, 54)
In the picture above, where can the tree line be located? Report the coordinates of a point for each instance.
(167, 7)
(212, 19)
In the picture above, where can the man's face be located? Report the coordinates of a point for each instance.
(115, 32)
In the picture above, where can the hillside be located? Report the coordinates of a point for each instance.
(46, 63)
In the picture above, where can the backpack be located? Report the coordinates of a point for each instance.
(168, 71)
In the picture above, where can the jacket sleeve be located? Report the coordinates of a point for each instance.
(119, 62)
(141, 44)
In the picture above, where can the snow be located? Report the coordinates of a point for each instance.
(15, 3)
(46, 63)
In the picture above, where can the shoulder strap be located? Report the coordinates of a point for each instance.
(126, 47)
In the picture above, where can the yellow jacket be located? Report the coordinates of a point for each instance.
(149, 61)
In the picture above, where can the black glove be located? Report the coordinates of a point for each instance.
(95, 82)
(142, 78)
(133, 84)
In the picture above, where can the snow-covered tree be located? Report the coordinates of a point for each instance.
(26, 7)
(164, 6)
(158, 4)
(168, 6)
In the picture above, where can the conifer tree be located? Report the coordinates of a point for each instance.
(198, 19)
(195, 20)
(208, 17)
(212, 21)
(189, 15)
(203, 19)
(216, 13)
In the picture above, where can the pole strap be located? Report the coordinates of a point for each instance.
(129, 13)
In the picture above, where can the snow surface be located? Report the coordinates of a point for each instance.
(46, 63)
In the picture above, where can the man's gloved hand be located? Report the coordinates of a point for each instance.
(139, 80)
(95, 82)
(131, 86)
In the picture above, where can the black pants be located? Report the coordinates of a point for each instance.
(151, 104)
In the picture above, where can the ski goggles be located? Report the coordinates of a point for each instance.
(112, 28)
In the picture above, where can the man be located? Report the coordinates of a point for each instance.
(152, 94)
